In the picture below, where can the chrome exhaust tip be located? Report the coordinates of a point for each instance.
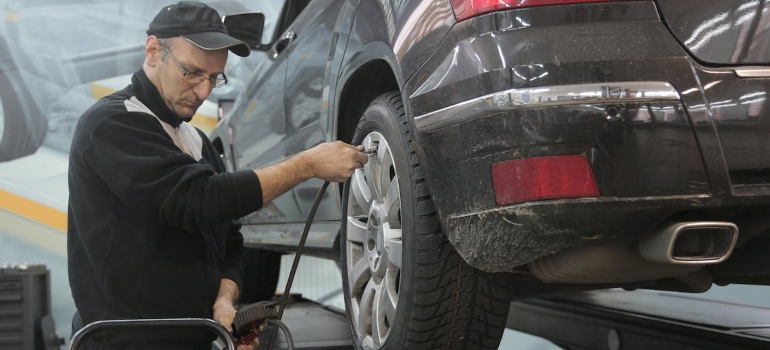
(699, 242)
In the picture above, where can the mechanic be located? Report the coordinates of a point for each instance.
(152, 230)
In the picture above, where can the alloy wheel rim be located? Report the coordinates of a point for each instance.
(373, 244)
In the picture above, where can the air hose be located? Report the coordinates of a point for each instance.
(290, 280)
(251, 319)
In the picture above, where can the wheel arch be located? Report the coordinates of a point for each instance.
(221, 141)
(217, 143)
(370, 80)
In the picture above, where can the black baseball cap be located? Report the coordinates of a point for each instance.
(197, 23)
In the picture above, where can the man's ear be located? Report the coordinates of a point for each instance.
(152, 50)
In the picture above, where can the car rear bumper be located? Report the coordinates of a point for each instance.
(646, 162)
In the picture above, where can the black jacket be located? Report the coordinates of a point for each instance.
(150, 230)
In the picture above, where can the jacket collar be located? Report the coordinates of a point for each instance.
(148, 94)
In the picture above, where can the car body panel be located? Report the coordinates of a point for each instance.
(259, 136)
(739, 110)
(721, 32)
(402, 34)
(735, 35)
(322, 31)
(299, 122)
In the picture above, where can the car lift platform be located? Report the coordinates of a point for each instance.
(599, 320)
(643, 320)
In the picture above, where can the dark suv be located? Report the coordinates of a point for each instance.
(523, 149)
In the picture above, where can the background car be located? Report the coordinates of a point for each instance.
(524, 149)
(57, 57)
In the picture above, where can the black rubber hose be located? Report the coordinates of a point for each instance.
(285, 329)
(287, 290)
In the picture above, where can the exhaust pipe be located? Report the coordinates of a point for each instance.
(698, 242)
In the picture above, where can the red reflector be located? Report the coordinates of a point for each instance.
(465, 9)
(539, 178)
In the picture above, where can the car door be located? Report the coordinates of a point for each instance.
(259, 129)
(314, 59)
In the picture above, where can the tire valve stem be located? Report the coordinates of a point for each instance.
(370, 151)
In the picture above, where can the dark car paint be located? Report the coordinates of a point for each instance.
(314, 62)
(739, 111)
(647, 172)
(720, 31)
(283, 129)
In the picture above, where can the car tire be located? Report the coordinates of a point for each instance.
(404, 284)
(21, 133)
(261, 269)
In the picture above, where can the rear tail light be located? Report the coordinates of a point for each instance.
(465, 9)
(540, 178)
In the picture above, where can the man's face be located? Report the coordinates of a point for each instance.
(181, 96)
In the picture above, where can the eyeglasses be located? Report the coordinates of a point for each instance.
(197, 78)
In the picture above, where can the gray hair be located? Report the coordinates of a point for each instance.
(165, 43)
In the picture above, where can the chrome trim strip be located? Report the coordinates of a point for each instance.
(753, 72)
(620, 92)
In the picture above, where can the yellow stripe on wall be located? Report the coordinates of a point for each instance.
(33, 211)
(98, 91)
(204, 122)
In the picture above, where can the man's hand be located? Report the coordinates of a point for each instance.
(334, 161)
(224, 314)
(224, 309)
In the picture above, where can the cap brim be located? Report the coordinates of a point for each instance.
(217, 41)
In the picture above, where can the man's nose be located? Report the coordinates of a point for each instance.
(203, 89)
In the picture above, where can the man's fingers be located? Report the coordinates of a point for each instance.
(356, 147)
(361, 158)
(337, 161)
(359, 148)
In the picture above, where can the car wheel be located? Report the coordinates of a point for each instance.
(21, 134)
(404, 284)
(261, 269)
